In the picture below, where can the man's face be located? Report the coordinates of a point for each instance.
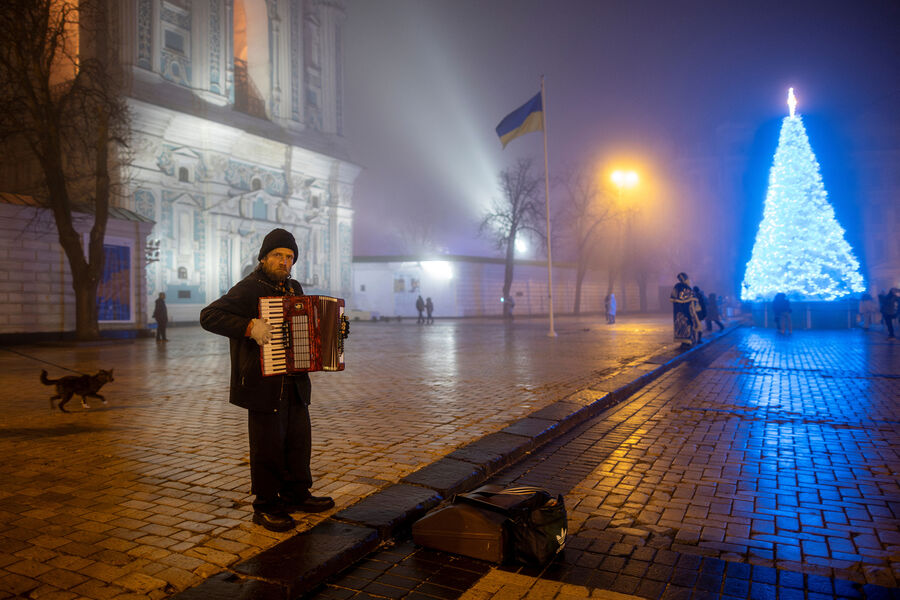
(277, 264)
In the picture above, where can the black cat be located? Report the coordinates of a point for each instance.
(80, 385)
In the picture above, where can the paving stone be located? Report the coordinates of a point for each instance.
(536, 429)
(447, 476)
(391, 507)
(227, 586)
(305, 560)
(558, 411)
(496, 450)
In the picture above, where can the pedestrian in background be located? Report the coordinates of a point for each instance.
(781, 307)
(684, 312)
(161, 316)
(277, 405)
(712, 312)
(890, 309)
(867, 310)
(429, 308)
(610, 308)
(420, 306)
(700, 299)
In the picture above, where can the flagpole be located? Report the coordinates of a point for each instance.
(551, 333)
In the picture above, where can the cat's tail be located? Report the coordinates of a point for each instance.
(45, 380)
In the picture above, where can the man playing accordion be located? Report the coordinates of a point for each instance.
(277, 406)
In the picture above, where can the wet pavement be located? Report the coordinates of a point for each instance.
(762, 466)
(149, 495)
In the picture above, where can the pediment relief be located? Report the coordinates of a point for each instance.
(188, 154)
(183, 199)
(181, 162)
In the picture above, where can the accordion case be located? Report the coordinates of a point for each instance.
(464, 529)
(523, 524)
(307, 334)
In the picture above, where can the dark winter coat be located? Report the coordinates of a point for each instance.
(712, 307)
(781, 304)
(891, 304)
(701, 302)
(160, 314)
(230, 316)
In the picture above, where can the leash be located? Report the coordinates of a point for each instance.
(46, 362)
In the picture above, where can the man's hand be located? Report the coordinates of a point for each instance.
(260, 331)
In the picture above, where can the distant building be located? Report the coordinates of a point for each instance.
(472, 286)
(877, 154)
(237, 128)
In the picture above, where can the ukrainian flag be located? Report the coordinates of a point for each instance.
(525, 119)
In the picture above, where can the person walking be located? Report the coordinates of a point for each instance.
(712, 312)
(700, 299)
(610, 308)
(277, 405)
(161, 316)
(420, 306)
(890, 308)
(429, 308)
(781, 307)
(684, 311)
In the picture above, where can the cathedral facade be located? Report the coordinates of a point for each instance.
(236, 129)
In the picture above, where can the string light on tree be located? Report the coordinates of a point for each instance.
(800, 247)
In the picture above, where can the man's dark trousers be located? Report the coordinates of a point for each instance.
(280, 451)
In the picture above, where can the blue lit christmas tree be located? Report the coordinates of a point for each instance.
(800, 247)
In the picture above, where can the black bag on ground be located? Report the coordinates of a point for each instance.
(523, 524)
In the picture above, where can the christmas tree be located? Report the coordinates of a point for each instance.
(800, 247)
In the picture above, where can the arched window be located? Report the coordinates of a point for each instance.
(256, 184)
(184, 174)
(182, 273)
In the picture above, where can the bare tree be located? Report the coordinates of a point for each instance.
(63, 111)
(588, 207)
(518, 210)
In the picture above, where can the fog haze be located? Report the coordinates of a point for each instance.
(427, 82)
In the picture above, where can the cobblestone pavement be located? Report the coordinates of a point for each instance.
(149, 494)
(761, 467)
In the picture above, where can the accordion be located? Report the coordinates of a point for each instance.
(308, 334)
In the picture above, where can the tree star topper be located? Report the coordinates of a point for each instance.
(792, 101)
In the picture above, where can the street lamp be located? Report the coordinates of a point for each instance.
(625, 180)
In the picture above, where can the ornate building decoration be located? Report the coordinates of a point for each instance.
(215, 46)
(242, 175)
(296, 53)
(175, 53)
(144, 34)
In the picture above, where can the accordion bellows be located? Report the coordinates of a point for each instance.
(307, 334)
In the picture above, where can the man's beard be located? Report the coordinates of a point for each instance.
(275, 274)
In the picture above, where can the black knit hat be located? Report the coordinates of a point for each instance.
(277, 238)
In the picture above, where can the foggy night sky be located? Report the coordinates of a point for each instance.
(427, 81)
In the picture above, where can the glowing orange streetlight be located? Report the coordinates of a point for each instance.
(625, 179)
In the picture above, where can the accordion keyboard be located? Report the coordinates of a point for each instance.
(274, 354)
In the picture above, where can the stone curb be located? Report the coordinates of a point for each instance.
(297, 565)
